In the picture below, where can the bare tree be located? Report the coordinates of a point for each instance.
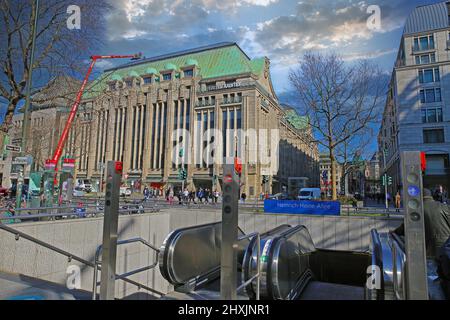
(59, 50)
(341, 100)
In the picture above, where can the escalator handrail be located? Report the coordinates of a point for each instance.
(284, 235)
(166, 249)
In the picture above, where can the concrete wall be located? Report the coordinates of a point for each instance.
(82, 236)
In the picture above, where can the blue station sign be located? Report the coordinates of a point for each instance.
(324, 208)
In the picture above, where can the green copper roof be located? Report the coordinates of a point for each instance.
(297, 121)
(133, 73)
(191, 62)
(214, 62)
(170, 66)
(116, 77)
(151, 71)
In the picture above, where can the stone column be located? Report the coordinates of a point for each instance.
(169, 127)
(148, 143)
(127, 141)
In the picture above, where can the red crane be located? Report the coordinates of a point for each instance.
(62, 140)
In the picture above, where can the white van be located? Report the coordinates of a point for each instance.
(309, 194)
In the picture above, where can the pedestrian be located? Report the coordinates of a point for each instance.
(146, 193)
(216, 196)
(200, 195)
(192, 197)
(397, 201)
(185, 196)
(437, 224)
(243, 197)
(171, 194)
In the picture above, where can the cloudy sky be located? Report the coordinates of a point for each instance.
(278, 29)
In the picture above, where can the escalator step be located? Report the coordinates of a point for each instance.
(317, 290)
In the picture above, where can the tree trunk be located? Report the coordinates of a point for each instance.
(333, 176)
(9, 115)
(346, 184)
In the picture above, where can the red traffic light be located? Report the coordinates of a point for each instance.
(423, 161)
(228, 179)
(119, 167)
(238, 165)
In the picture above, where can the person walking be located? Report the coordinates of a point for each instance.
(146, 193)
(243, 197)
(437, 224)
(216, 196)
(171, 194)
(398, 200)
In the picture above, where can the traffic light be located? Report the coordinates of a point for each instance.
(383, 180)
(182, 174)
(265, 179)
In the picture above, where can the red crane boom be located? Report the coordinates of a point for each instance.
(62, 140)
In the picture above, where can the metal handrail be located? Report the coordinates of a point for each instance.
(125, 275)
(258, 264)
(74, 214)
(70, 256)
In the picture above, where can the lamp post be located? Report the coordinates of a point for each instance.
(385, 180)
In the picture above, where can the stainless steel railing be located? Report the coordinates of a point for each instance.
(70, 256)
(125, 275)
(21, 215)
(257, 276)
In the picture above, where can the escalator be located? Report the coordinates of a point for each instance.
(293, 268)
(190, 257)
(388, 255)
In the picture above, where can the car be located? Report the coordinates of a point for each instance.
(78, 191)
(279, 196)
(125, 191)
(309, 194)
(4, 191)
(358, 196)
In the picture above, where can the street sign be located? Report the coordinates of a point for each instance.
(16, 141)
(11, 147)
(20, 162)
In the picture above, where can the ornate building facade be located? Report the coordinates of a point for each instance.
(188, 110)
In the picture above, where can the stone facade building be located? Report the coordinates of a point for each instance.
(417, 111)
(187, 110)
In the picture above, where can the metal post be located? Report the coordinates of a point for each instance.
(385, 180)
(416, 267)
(228, 271)
(102, 168)
(69, 191)
(26, 114)
(110, 224)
